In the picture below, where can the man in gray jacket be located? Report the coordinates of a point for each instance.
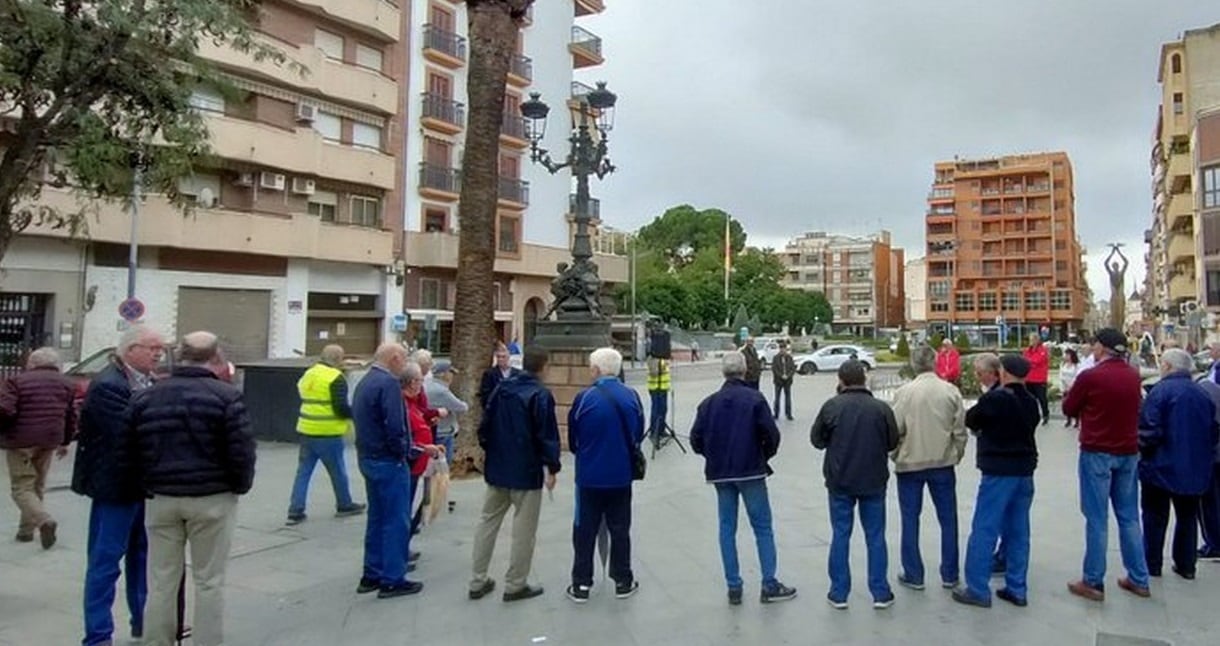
(931, 442)
(440, 396)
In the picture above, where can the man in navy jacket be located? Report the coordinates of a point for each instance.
(605, 426)
(736, 435)
(520, 437)
(1177, 440)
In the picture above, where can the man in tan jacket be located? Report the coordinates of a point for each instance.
(932, 439)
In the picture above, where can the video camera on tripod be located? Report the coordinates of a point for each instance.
(660, 390)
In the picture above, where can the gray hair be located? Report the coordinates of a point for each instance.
(199, 349)
(1178, 360)
(134, 336)
(423, 358)
(923, 359)
(607, 361)
(988, 361)
(45, 357)
(734, 364)
(332, 355)
(412, 371)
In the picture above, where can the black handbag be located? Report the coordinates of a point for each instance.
(639, 464)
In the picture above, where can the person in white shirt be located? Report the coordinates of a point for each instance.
(1067, 376)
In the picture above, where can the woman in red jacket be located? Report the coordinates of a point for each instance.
(1039, 373)
(420, 429)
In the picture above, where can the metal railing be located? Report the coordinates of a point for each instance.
(440, 178)
(595, 206)
(580, 89)
(521, 66)
(444, 109)
(445, 42)
(587, 41)
(515, 127)
(515, 190)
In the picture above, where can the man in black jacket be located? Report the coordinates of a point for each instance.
(783, 370)
(1005, 420)
(104, 471)
(195, 456)
(753, 363)
(858, 433)
(492, 377)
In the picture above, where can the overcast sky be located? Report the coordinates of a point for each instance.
(798, 115)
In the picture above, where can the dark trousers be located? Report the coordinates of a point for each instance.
(1039, 393)
(658, 411)
(1209, 515)
(1155, 503)
(593, 506)
(784, 389)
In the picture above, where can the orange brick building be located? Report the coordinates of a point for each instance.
(1002, 247)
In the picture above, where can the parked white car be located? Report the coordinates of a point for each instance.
(829, 358)
(768, 347)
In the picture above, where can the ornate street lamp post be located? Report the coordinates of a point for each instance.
(577, 287)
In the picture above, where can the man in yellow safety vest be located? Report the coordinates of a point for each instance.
(658, 392)
(324, 420)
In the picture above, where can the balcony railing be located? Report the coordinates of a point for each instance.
(444, 109)
(521, 67)
(587, 41)
(580, 89)
(514, 190)
(445, 42)
(595, 206)
(440, 178)
(515, 127)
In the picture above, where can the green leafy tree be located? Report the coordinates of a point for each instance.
(90, 88)
(904, 346)
(936, 340)
(962, 342)
(683, 231)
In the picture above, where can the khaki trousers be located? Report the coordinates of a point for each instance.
(526, 506)
(27, 470)
(207, 523)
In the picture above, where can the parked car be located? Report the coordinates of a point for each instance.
(830, 357)
(767, 348)
(86, 369)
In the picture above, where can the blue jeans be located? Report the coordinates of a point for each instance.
(942, 485)
(872, 520)
(386, 535)
(758, 510)
(1111, 480)
(116, 533)
(657, 412)
(1002, 511)
(330, 451)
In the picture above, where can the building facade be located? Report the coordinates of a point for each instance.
(532, 230)
(292, 241)
(916, 284)
(1002, 248)
(861, 277)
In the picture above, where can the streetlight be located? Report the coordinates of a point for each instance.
(577, 287)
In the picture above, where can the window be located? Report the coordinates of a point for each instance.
(1212, 278)
(436, 220)
(366, 136)
(1175, 63)
(1061, 265)
(1012, 301)
(330, 126)
(430, 294)
(1061, 245)
(369, 57)
(964, 302)
(201, 187)
(438, 152)
(322, 204)
(507, 235)
(495, 297)
(987, 301)
(1061, 299)
(811, 277)
(812, 259)
(329, 42)
(440, 18)
(510, 166)
(938, 289)
(207, 100)
(1211, 187)
(1178, 107)
(440, 85)
(1035, 300)
(939, 307)
(366, 211)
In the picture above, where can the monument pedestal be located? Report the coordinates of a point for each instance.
(569, 343)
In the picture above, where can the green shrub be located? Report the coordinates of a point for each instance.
(904, 347)
(936, 340)
(968, 382)
(962, 342)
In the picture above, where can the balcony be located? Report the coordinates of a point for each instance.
(301, 151)
(1179, 173)
(440, 250)
(440, 182)
(580, 90)
(443, 114)
(514, 131)
(1182, 286)
(586, 48)
(514, 193)
(1181, 246)
(378, 17)
(444, 47)
(589, 7)
(520, 70)
(1181, 211)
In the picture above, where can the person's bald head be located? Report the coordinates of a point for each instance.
(392, 357)
(332, 355)
(201, 349)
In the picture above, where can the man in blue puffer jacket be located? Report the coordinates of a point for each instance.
(1177, 440)
(736, 435)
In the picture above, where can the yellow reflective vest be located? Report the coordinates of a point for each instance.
(318, 416)
(658, 374)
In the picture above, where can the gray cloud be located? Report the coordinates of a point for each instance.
(803, 114)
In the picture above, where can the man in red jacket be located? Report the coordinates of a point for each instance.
(1039, 373)
(1106, 399)
(948, 362)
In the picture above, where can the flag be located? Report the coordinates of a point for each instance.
(728, 248)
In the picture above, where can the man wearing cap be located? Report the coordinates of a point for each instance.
(439, 394)
(948, 362)
(1106, 400)
(1005, 420)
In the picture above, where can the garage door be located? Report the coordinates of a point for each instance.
(357, 336)
(240, 317)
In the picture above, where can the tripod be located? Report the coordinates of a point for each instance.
(665, 434)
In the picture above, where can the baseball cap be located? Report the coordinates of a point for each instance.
(1111, 339)
(1015, 365)
(441, 367)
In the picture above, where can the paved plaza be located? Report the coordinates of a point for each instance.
(296, 586)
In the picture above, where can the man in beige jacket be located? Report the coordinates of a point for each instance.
(932, 439)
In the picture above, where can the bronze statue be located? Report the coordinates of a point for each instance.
(1118, 296)
(577, 291)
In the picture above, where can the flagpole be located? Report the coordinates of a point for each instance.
(728, 263)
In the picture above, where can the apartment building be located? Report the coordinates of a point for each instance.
(915, 281)
(1002, 247)
(293, 241)
(861, 277)
(532, 229)
(1183, 266)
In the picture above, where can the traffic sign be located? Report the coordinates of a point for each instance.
(131, 310)
(399, 322)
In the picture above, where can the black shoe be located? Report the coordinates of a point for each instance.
(1154, 572)
(451, 506)
(578, 593)
(137, 632)
(907, 582)
(791, 418)
(962, 596)
(413, 556)
(528, 592)
(623, 591)
(400, 589)
(295, 519)
(354, 509)
(25, 538)
(734, 596)
(1189, 576)
(1046, 420)
(1007, 595)
(777, 592)
(367, 585)
(882, 604)
(483, 590)
(1204, 555)
(46, 534)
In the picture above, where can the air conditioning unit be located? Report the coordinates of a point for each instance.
(206, 198)
(272, 181)
(1190, 307)
(306, 112)
(303, 186)
(244, 179)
